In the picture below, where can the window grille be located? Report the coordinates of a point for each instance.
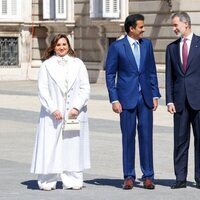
(9, 52)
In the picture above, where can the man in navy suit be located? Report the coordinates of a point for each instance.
(183, 95)
(133, 91)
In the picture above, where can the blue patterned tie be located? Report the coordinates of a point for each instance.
(136, 52)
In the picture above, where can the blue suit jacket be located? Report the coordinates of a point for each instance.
(180, 85)
(123, 76)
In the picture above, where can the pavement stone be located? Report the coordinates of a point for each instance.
(19, 111)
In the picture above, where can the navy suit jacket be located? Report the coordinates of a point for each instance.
(180, 85)
(123, 76)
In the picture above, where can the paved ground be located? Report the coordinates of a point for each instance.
(19, 108)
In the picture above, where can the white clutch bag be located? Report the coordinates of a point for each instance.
(71, 125)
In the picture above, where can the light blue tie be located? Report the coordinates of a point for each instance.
(136, 52)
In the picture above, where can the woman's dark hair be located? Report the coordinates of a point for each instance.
(131, 20)
(50, 50)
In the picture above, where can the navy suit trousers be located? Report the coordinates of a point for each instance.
(182, 122)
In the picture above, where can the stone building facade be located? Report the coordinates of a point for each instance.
(26, 28)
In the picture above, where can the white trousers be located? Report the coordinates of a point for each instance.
(69, 180)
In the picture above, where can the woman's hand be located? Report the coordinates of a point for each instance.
(73, 113)
(57, 114)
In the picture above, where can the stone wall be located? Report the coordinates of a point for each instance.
(43, 31)
(158, 24)
(18, 27)
(92, 36)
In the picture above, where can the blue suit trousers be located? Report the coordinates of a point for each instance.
(142, 117)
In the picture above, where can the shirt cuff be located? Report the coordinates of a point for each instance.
(115, 101)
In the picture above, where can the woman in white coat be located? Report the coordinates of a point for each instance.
(63, 88)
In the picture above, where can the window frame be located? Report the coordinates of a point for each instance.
(104, 9)
(51, 9)
(111, 9)
(13, 10)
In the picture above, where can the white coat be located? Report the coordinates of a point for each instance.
(57, 151)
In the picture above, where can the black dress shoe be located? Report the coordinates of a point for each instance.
(179, 184)
(198, 184)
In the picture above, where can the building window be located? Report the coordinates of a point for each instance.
(61, 9)
(105, 8)
(55, 9)
(9, 52)
(111, 40)
(10, 9)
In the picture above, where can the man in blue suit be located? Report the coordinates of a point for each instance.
(183, 95)
(133, 91)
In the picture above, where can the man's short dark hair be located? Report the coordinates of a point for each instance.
(131, 20)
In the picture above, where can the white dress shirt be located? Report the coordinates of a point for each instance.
(188, 41)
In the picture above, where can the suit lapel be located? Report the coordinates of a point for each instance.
(193, 49)
(130, 55)
(129, 52)
(143, 50)
(176, 52)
